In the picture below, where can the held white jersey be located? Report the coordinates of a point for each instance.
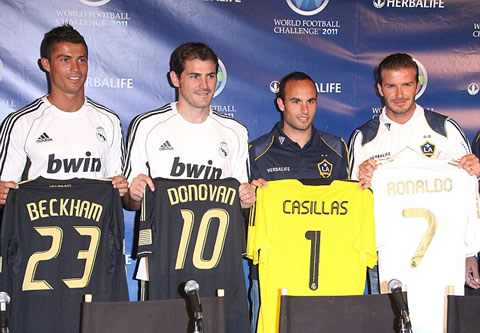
(426, 215)
(41, 140)
(427, 132)
(161, 143)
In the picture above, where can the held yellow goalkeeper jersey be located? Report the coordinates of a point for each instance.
(311, 239)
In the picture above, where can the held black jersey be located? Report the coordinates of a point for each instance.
(60, 239)
(194, 229)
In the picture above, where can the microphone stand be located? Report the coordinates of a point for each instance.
(4, 300)
(198, 325)
(405, 325)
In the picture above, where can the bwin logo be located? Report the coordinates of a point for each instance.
(274, 87)
(379, 3)
(74, 164)
(307, 7)
(195, 171)
(221, 78)
(94, 3)
(422, 78)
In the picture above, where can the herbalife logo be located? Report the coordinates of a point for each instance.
(422, 79)
(322, 87)
(44, 138)
(307, 7)
(274, 86)
(409, 3)
(94, 3)
(221, 78)
(473, 89)
(1, 70)
(166, 146)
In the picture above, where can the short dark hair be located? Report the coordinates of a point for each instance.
(396, 61)
(63, 33)
(294, 76)
(188, 51)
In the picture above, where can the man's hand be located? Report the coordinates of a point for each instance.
(138, 185)
(120, 183)
(247, 195)
(365, 173)
(260, 182)
(4, 188)
(133, 200)
(471, 164)
(472, 278)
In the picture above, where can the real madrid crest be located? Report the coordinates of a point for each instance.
(223, 149)
(101, 135)
(428, 149)
(325, 168)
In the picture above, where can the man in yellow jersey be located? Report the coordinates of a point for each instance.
(295, 149)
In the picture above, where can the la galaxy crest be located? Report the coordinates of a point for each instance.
(428, 149)
(325, 168)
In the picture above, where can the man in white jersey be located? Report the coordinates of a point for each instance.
(187, 139)
(402, 123)
(64, 134)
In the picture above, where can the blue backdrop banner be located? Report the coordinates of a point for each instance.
(337, 42)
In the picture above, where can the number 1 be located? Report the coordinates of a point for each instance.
(314, 238)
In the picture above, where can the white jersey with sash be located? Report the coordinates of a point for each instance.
(42, 140)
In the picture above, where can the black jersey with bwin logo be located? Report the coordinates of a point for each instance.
(194, 229)
(60, 240)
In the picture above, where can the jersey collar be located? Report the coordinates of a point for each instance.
(418, 114)
(282, 140)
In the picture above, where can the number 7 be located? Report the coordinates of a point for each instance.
(427, 237)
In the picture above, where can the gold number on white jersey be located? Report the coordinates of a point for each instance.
(427, 237)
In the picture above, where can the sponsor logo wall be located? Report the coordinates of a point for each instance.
(337, 42)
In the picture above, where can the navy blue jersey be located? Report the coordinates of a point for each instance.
(274, 156)
(476, 145)
(60, 240)
(195, 229)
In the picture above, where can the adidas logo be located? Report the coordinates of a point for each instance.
(166, 146)
(44, 138)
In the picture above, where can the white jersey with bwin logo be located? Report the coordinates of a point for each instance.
(426, 216)
(41, 140)
(161, 143)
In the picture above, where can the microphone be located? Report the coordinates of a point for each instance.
(191, 289)
(395, 287)
(4, 300)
